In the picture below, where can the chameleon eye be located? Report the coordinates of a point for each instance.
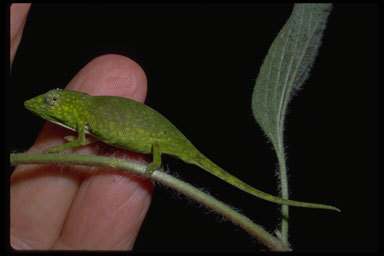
(52, 98)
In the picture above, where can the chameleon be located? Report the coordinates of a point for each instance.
(127, 124)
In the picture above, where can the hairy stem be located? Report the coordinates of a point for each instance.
(284, 194)
(115, 163)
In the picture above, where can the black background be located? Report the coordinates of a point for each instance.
(201, 61)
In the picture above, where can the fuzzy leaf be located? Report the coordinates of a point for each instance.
(286, 67)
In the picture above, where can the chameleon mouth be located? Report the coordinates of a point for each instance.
(30, 106)
(43, 108)
(42, 111)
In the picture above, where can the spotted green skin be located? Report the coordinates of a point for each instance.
(128, 124)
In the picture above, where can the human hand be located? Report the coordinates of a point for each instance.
(72, 207)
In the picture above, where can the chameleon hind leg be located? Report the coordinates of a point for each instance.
(156, 161)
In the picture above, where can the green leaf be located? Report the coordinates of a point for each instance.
(287, 66)
(284, 70)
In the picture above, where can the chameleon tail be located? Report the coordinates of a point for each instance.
(214, 169)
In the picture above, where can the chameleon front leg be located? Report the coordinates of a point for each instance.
(156, 161)
(80, 141)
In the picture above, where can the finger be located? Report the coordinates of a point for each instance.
(18, 15)
(41, 195)
(109, 207)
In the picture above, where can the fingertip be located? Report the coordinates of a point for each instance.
(18, 17)
(111, 74)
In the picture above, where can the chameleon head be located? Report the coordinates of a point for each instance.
(58, 106)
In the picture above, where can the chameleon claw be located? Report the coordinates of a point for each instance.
(149, 170)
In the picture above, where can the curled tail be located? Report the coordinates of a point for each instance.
(214, 169)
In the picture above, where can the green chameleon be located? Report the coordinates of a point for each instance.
(128, 124)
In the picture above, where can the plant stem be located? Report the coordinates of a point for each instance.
(115, 163)
(284, 194)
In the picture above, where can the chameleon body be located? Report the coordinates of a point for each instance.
(128, 124)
